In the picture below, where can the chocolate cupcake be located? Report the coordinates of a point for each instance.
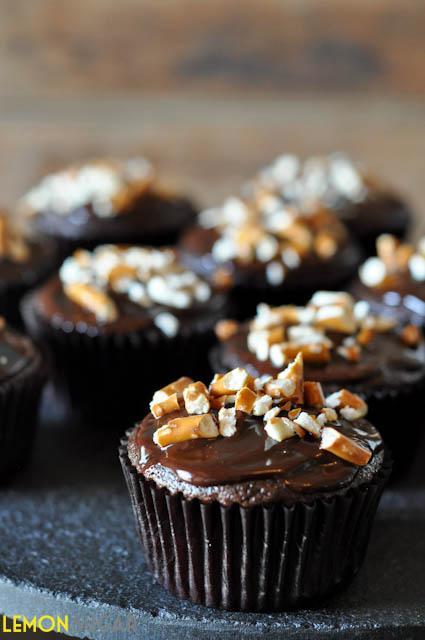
(393, 282)
(269, 252)
(367, 206)
(21, 381)
(24, 262)
(106, 201)
(116, 320)
(252, 496)
(343, 344)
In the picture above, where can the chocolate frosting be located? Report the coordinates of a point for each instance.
(53, 305)
(385, 363)
(196, 246)
(401, 297)
(150, 214)
(248, 467)
(381, 211)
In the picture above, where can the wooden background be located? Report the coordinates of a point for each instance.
(212, 89)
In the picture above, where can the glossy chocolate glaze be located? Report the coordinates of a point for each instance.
(151, 214)
(249, 466)
(196, 245)
(51, 303)
(401, 298)
(385, 364)
(16, 352)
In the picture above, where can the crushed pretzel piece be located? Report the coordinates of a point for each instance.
(230, 382)
(294, 413)
(280, 429)
(186, 428)
(92, 299)
(411, 335)
(262, 405)
(227, 422)
(196, 398)
(335, 318)
(309, 423)
(174, 387)
(294, 373)
(350, 405)
(330, 414)
(225, 329)
(222, 278)
(325, 245)
(245, 400)
(350, 352)
(344, 447)
(313, 394)
(168, 405)
(365, 336)
(216, 402)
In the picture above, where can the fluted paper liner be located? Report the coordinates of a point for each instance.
(260, 558)
(19, 402)
(110, 377)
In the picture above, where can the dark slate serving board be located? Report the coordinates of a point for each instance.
(68, 546)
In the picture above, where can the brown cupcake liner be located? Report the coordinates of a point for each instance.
(111, 377)
(19, 404)
(261, 558)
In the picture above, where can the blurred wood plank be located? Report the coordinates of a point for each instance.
(226, 46)
(210, 146)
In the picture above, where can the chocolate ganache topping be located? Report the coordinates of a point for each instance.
(267, 241)
(246, 439)
(342, 342)
(119, 288)
(335, 180)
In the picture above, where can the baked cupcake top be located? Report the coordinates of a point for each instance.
(335, 180)
(341, 341)
(16, 352)
(250, 440)
(108, 187)
(265, 240)
(123, 288)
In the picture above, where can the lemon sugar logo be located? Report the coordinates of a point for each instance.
(45, 624)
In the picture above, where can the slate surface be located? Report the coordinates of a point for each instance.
(68, 546)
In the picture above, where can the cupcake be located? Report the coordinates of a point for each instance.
(343, 344)
(393, 282)
(269, 251)
(254, 496)
(366, 205)
(104, 201)
(24, 262)
(21, 382)
(116, 319)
